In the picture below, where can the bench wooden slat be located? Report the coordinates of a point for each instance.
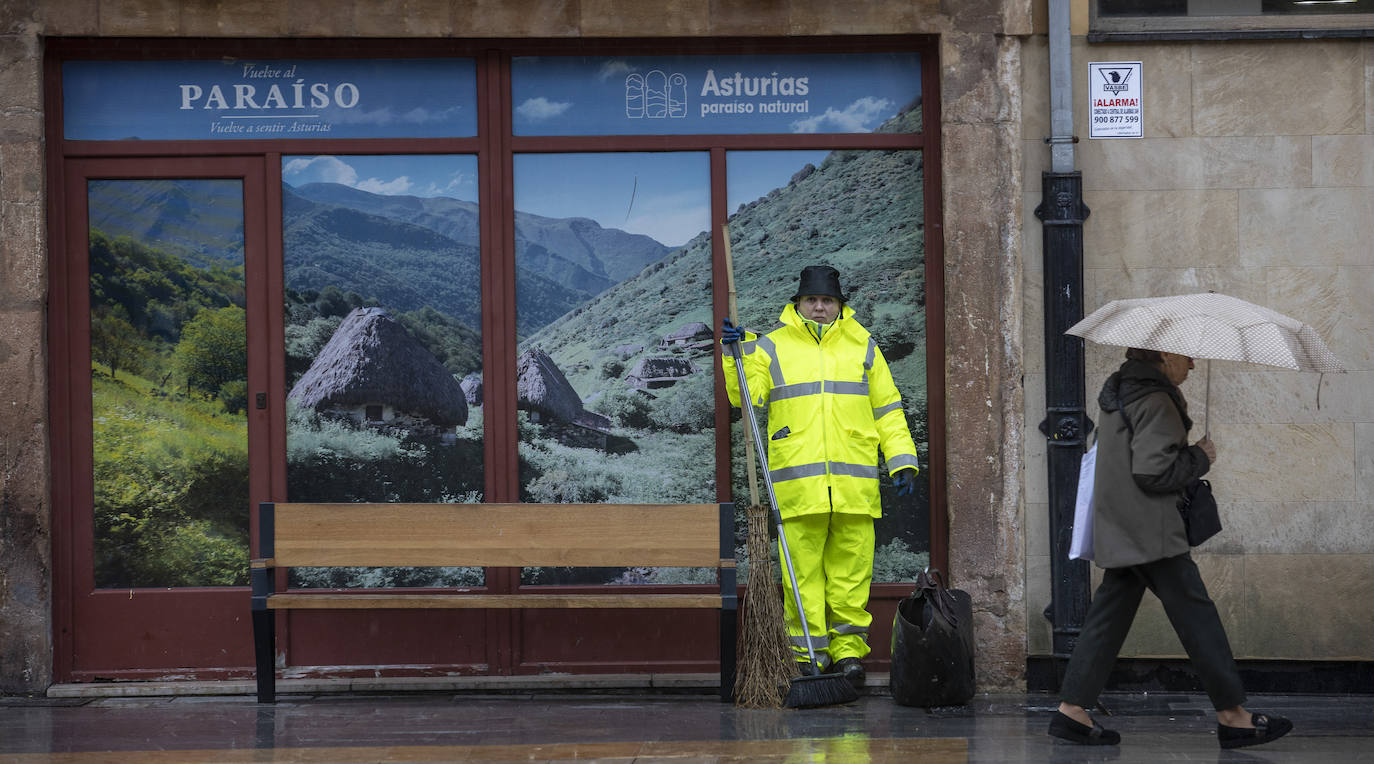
(489, 535)
(430, 601)
(500, 535)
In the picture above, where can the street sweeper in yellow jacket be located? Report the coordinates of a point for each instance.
(832, 406)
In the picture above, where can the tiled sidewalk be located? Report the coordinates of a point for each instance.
(645, 725)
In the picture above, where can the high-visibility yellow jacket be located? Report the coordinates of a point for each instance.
(831, 405)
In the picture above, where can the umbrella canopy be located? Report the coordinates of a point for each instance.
(1212, 326)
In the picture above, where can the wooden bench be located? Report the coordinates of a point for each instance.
(495, 535)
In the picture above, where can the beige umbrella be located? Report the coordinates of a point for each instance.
(1209, 326)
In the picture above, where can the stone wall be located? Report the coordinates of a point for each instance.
(1253, 179)
(981, 174)
(25, 559)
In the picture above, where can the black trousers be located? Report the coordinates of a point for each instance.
(1178, 584)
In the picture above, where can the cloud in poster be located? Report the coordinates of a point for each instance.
(329, 169)
(320, 170)
(419, 115)
(614, 68)
(397, 186)
(535, 109)
(858, 117)
(452, 189)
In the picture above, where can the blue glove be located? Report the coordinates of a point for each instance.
(905, 481)
(729, 333)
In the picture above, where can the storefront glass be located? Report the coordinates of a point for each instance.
(255, 99)
(168, 383)
(613, 298)
(383, 340)
(720, 95)
(861, 213)
(605, 191)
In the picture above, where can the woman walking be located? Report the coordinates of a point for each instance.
(1144, 463)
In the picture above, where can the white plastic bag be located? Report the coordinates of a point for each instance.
(1081, 548)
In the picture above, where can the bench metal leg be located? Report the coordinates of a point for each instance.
(728, 628)
(265, 647)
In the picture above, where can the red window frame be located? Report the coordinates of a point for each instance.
(495, 147)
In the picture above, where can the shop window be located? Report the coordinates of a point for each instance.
(383, 303)
(860, 212)
(604, 191)
(630, 360)
(693, 95)
(382, 267)
(615, 366)
(168, 383)
(253, 99)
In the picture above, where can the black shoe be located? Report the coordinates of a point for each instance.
(808, 668)
(1268, 728)
(1065, 728)
(853, 670)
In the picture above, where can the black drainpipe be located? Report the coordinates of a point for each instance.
(1066, 425)
(1061, 213)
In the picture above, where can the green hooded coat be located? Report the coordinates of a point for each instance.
(1141, 476)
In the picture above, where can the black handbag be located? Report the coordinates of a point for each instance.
(932, 646)
(1198, 507)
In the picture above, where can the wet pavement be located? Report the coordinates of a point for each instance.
(648, 726)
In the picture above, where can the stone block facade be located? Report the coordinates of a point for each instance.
(1252, 179)
(980, 72)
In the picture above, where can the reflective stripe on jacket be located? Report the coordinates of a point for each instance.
(831, 406)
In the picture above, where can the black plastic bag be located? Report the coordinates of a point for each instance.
(932, 646)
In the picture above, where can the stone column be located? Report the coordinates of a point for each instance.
(983, 314)
(25, 542)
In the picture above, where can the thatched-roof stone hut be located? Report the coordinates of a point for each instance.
(372, 370)
(472, 388)
(543, 391)
(688, 335)
(541, 387)
(653, 373)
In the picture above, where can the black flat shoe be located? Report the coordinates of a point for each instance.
(1268, 728)
(1065, 728)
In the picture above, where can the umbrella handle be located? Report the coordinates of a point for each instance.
(1207, 404)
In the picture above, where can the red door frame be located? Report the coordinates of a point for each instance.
(494, 146)
(131, 633)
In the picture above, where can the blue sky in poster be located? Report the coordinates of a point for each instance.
(832, 93)
(229, 99)
(752, 174)
(663, 195)
(428, 175)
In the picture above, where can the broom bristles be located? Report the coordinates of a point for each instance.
(766, 665)
(820, 690)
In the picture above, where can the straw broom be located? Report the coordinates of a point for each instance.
(766, 666)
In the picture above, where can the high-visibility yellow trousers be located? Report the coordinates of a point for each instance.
(832, 556)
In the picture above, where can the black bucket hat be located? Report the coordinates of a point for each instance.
(819, 279)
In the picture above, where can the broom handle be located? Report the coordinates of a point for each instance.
(747, 404)
(734, 319)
